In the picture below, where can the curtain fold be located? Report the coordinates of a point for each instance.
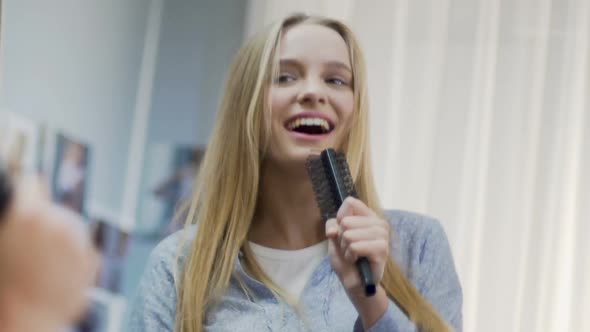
(480, 116)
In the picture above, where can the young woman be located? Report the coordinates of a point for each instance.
(259, 257)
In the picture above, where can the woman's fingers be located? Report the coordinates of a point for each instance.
(373, 232)
(375, 251)
(354, 222)
(354, 207)
(332, 228)
(371, 242)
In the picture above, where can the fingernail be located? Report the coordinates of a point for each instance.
(334, 230)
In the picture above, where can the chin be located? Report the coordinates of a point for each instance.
(293, 157)
(298, 155)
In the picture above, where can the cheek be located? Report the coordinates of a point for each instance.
(278, 105)
(279, 100)
(345, 107)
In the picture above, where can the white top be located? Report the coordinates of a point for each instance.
(290, 269)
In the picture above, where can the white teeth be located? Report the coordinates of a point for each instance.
(309, 122)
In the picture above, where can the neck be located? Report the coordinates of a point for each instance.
(287, 216)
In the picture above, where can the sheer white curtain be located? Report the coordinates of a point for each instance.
(481, 117)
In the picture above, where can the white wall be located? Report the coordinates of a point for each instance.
(75, 66)
(197, 42)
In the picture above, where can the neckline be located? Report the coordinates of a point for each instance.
(317, 249)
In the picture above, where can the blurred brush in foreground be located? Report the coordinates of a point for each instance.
(46, 259)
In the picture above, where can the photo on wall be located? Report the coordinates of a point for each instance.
(70, 173)
(168, 180)
(111, 243)
(104, 313)
(19, 142)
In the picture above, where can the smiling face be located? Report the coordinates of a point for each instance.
(312, 98)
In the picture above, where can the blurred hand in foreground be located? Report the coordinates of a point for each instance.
(47, 262)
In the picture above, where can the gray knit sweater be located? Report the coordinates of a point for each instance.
(420, 246)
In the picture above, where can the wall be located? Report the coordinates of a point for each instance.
(75, 66)
(197, 42)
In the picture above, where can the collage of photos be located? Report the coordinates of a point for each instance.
(104, 313)
(70, 173)
(66, 162)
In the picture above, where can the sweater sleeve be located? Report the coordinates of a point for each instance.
(436, 279)
(154, 305)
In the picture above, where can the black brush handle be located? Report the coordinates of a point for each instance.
(366, 275)
(365, 271)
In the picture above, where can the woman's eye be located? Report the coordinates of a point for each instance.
(336, 81)
(285, 78)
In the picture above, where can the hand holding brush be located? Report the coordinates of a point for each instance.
(359, 238)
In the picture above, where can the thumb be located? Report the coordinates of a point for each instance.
(332, 228)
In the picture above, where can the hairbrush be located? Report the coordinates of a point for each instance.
(332, 183)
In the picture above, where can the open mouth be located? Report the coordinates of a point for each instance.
(310, 126)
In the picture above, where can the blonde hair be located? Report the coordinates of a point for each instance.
(223, 205)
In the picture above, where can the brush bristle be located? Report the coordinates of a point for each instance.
(345, 175)
(321, 188)
(331, 181)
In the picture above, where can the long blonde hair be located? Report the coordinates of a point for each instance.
(223, 204)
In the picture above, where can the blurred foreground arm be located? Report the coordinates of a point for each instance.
(46, 261)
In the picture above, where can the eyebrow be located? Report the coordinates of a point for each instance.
(338, 64)
(333, 64)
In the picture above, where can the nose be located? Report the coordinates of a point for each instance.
(312, 92)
